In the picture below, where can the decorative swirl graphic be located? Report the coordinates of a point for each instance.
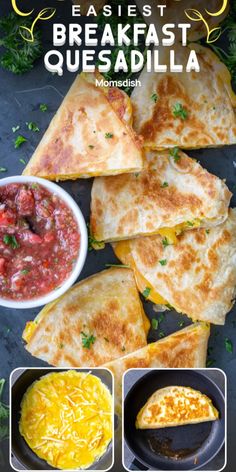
(212, 33)
(44, 14)
(19, 12)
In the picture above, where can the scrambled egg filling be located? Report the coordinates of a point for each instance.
(66, 419)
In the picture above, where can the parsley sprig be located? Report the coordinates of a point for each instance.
(19, 55)
(87, 340)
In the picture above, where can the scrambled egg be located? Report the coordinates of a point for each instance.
(66, 419)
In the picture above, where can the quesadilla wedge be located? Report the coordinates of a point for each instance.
(95, 322)
(176, 406)
(189, 109)
(196, 276)
(172, 194)
(185, 348)
(89, 135)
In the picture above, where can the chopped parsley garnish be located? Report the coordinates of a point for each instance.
(22, 161)
(146, 292)
(43, 107)
(87, 340)
(3, 169)
(32, 126)
(10, 240)
(109, 135)
(179, 111)
(154, 97)
(161, 334)
(210, 362)
(164, 185)
(25, 271)
(181, 324)
(207, 231)
(117, 265)
(15, 128)
(19, 141)
(35, 186)
(91, 146)
(190, 223)
(4, 415)
(61, 345)
(175, 153)
(163, 262)
(228, 345)
(155, 323)
(165, 242)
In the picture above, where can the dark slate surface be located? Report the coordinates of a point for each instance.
(20, 97)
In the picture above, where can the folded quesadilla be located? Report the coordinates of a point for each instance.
(196, 276)
(89, 135)
(96, 321)
(175, 13)
(172, 194)
(176, 406)
(185, 348)
(189, 109)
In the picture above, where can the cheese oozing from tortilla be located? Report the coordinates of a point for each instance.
(66, 419)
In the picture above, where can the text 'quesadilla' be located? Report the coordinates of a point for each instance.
(96, 321)
(189, 109)
(197, 275)
(89, 135)
(173, 193)
(176, 406)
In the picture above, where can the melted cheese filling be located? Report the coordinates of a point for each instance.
(123, 252)
(67, 419)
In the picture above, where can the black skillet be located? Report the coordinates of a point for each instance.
(25, 456)
(182, 448)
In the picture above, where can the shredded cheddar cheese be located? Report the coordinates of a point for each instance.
(66, 419)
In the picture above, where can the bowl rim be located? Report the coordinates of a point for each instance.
(67, 284)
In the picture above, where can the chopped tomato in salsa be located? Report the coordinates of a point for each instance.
(39, 241)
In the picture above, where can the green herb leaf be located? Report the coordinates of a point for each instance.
(175, 154)
(164, 185)
(19, 141)
(146, 292)
(32, 127)
(25, 271)
(207, 231)
(161, 334)
(109, 135)
(3, 169)
(91, 146)
(22, 161)
(179, 111)
(181, 324)
(190, 223)
(19, 55)
(10, 240)
(43, 107)
(228, 345)
(87, 340)
(61, 345)
(117, 265)
(165, 242)
(15, 128)
(155, 323)
(92, 242)
(210, 362)
(163, 262)
(154, 97)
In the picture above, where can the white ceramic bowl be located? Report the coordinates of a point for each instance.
(53, 188)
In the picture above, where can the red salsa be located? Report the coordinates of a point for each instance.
(39, 241)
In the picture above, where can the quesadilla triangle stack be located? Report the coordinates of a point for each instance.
(185, 348)
(188, 109)
(176, 406)
(89, 135)
(172, 194)
(196, 276)
(96, 321)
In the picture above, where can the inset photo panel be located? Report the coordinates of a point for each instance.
(61, 419)
(174, 419)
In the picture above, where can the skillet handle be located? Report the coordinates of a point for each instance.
(136, 465)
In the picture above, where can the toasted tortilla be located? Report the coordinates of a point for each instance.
(196, 276)
(206, 97)
(104, 310)
(176, 406)
(175, 13)
(185, 348)
(89, 135)
(169, 193)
